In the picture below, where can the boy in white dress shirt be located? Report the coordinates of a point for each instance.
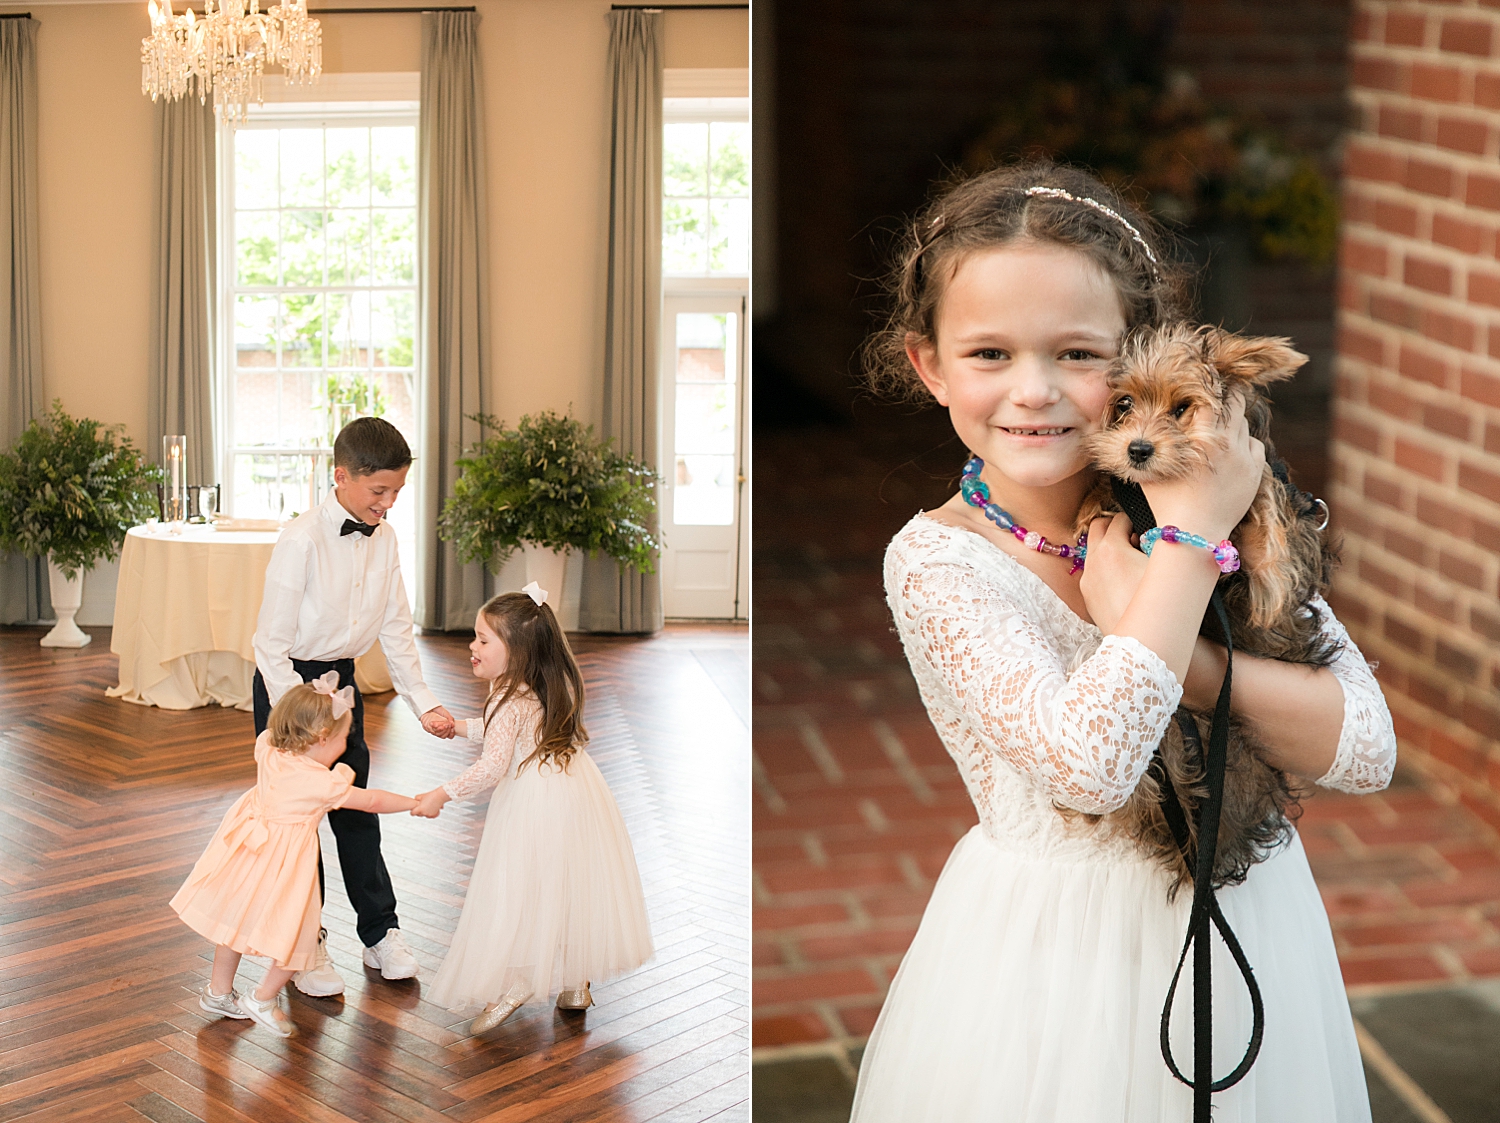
(332, 588)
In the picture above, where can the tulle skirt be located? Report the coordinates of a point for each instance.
(555, 900)
(1033, 990)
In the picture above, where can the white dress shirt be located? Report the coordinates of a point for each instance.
(331, 596)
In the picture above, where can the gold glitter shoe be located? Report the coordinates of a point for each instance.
(575, 999)
(497, 1012)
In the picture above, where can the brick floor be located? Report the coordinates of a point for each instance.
(857, 805)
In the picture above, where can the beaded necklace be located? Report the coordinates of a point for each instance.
(976, 492)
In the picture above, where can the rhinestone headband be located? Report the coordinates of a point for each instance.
(1059, 193)
(939, 225)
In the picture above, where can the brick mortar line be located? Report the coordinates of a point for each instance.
(1390, 653)
(1385, 601)
(1406, 243)
(1423, 393)
(1429, 439)
(1354, 456)
(1427, 152)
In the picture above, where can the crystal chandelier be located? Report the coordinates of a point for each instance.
(226, 51)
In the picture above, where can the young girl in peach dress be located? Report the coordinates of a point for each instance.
(555, 901)
(255, 890)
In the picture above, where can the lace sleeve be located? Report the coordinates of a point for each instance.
(1086, 736)
(494, 760)
(1366, 754)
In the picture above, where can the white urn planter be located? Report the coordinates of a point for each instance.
(67, 598)
(547, 568)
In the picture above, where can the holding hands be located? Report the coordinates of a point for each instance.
(439, 722)
(428, 804)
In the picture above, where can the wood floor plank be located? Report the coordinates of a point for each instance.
(104, 807)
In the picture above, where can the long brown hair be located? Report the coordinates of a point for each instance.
(993, 209)
(538, 658)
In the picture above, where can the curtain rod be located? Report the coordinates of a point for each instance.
(16, 15)
(381, 11)
(678, 7)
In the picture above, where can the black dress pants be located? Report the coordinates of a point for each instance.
(356, 832)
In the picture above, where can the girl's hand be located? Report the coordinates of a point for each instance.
(438, 721)
(429, 804)
(1212, 500)
(1112, 572)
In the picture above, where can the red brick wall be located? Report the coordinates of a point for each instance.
(1416, 453)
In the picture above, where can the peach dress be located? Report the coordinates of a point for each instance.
(256, 887)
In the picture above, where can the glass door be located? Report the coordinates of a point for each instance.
(703, 402)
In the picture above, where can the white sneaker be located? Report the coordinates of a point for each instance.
(268, 1013)
(392, 957)
(322, 979)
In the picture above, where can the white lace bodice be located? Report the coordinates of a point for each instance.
(1040, 710)
(509, 740)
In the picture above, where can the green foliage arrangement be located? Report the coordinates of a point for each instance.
(71, 488)
(552, 483)
(1189, 162)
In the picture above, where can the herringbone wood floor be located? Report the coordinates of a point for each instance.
(104, 807)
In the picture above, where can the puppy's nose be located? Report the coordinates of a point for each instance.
(1140, 451)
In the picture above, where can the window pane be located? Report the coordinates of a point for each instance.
(349, 247)
(685, 159)
(255, 167)
(302, 330)
(302, 247)
(395, 247)
(255, 247)
(684, 230)
(704, 491)
(301, 167)
(705, 419)
(255, 397)
(730, 152)
(400, 390)
(393, 176)
(348, 167)
(303, 410)
(255, 331)
(349, 329)
(729, 236)
(393, 318)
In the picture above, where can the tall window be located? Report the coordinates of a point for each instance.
(705, 190)
(322, 251)
(705, 249)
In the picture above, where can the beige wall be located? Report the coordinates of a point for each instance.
(546, 118)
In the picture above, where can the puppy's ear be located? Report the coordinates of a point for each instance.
(1251, 359)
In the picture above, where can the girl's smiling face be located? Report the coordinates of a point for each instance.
(487, 654)
(1024, 334)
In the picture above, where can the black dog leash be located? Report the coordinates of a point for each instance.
(1205, 914)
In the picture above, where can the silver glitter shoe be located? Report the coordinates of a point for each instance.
(221, 1005)
(579, 999)
(497, 1012)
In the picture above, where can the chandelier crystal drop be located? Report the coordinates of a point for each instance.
(226, 50)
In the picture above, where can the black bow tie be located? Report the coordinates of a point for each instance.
(352, 527)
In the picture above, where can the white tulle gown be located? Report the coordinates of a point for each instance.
(555, 899)
(1032, 992)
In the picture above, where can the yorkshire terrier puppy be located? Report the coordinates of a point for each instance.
(1164, 380)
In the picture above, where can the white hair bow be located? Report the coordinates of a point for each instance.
(535, 592)
(342, 698)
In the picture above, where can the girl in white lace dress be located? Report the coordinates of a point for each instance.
(555, 900)
(1033, 989)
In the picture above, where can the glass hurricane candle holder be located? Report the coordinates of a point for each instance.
(174, 465)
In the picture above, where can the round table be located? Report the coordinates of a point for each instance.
(185, 612)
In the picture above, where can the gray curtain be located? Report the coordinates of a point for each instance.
(181, 350)
(616, 598)
(23, 581)
(455, 309)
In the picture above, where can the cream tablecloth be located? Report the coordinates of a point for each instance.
(185, 611)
